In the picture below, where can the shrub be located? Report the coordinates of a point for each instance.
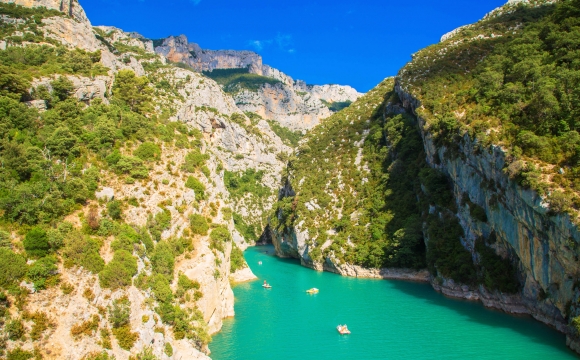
(198, 224)
(86, 328)
(132, 166)
(132, 90)
(41, 270)
(146, 354)
(5, 240)
(12, 267)
(125, 337)
(218, 237)
(120, 312)
(148, 151)
(498, 273)
(237, 261)
(196, 185)
(168, 349)
(19, 354)
(163, 260)
(82, 251)
(114, 209)
(36, 242)
(41, 323)
(193, 161)
(15, 329)
(119, 271)
(185, 284)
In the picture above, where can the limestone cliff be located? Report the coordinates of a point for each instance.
(228, 140)
(292, 103)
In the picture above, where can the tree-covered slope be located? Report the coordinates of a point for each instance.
(356, 177)
(512, 79)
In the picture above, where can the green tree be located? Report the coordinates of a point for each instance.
(36, 242)
(12, 267)
(119, 271)
(198, 224)
(62, 88)
(148, 151)
(132, 90)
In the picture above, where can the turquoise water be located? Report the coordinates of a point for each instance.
(388, 320)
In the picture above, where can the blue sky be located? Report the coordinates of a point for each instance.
(355, 43)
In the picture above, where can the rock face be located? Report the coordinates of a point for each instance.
(541, 244)
(292, 103)
(70, 8)
(178, 49)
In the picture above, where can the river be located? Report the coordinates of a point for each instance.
(388, 320)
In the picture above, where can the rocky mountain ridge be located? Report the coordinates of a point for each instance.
(292, 103)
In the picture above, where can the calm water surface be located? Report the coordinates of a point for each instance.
(388, 320)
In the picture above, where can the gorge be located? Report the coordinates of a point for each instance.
(135, 172)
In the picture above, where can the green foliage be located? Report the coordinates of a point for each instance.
(12, 267)
(125, 239)
(511, 80)
(41, 271)
(36, 242)
(218, 237)
(194, 160)
(125, 337)
(198, 224)
(146, 354)
(15, 329)
(168, 349)
(337, 105)
(289, 137)
(247, 231)
(23, 12)
(120, 312)
(156, 224)
(184, 284)
(132, 91)
(132, 166)
(497, 273)
(369, 217)
(234, 80)
(445, 253)
(249, 181)
(197, 186)
(62, 88)
(148, 151)
(237, 261)
(114, 209)
(19, 354)
(163, 260)
(118, 273)
(80, 250)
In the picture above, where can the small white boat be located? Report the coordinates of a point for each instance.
(267, 286)
(343, 330)
(259, 263)
(312, 291)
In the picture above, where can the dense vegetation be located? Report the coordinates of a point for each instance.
(365, 195)
(53, 161)
(356, 183)
(289, 137)
(512, 79)
(234, 80)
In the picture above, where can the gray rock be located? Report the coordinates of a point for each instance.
(37, 104)
(106, 194)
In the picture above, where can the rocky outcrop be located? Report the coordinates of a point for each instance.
(70, 8)
(178, 49)
(543, 245)
(292, 103)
